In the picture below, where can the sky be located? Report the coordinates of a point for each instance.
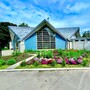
(61, 13)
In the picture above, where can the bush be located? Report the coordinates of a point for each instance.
(63, 63)
(60, 52)
(49, 54)
(53, 63)
(23, 63)
(16, 53)
(36, 63)
(84, 63)
(38, 54)
(2, 62)
(11, 61)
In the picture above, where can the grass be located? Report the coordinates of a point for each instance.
(4, 66)
(49, 66)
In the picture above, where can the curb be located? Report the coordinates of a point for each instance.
(43, 69)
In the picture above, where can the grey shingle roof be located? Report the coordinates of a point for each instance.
(40, 25)
(68, 32)
(24, 32)
(21, 32)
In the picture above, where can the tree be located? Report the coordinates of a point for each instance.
(23, 25)
(86, 34)
(4, 34)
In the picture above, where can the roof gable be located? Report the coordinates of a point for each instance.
(21, 32)
(38, 27)
(68, 32)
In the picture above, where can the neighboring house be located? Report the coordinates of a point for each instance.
(43, 36)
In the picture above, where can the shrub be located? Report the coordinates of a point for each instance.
(2, 62)
(43, 54)
(36, 63)
(16, 53)
(23, 63)
(38, 54)
(49, 54)
(11, 61)
(63, 63)
(84, 63)
(53, 63)
(60, 52)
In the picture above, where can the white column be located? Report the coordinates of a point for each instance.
(22, 46)
(10, 45)
(73, 44)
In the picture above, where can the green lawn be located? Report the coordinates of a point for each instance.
(49, 66)
(4, 66)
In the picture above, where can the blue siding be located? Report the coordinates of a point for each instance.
(60, 42)
(31, 42)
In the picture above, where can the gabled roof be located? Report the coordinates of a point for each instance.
(38, 27)
(21, 32)
(25, 32)
(68, 32)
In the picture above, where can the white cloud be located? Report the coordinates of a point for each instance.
(76, 8)
(19, 12)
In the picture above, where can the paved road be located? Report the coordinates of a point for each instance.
(45, 80)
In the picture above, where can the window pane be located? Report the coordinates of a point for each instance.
(39, 45)
(52, 45)
(46, 45)
(52, 38)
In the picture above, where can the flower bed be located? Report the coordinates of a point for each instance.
(58, 57)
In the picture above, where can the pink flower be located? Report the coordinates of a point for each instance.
(73, 61)
(59, 60)
(79, 60)
(50, 61)
(35, 59)
(67, 61)
(44, 61)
